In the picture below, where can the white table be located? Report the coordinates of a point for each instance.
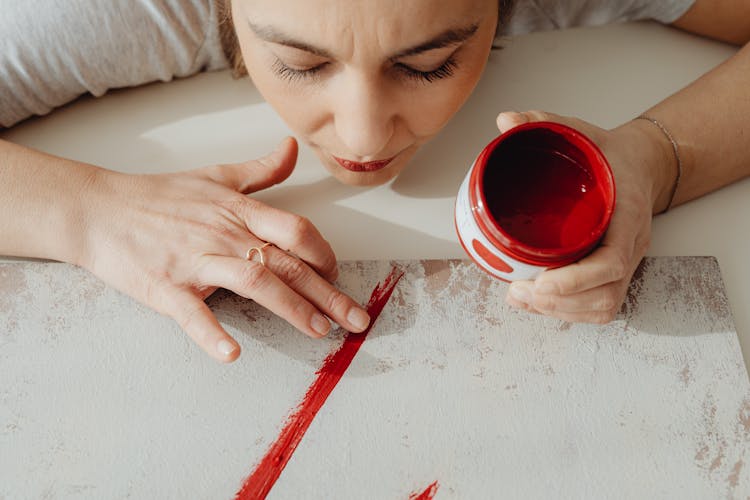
(604, 75)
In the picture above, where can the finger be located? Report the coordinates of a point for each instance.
(197, 320)
(604, 299)
(322, 294)
(520, 305)
(254, 175)
(510, 119)
(608, 263)
(596, 317)
(537, 115)
(255, 281)
(292, 233)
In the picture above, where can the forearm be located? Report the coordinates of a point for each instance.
(710, 121)
(41, 207)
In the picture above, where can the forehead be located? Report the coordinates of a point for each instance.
(365, 25)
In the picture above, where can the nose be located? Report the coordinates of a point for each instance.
(363, 117)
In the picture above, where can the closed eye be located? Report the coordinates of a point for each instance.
(445, 70)
(294, 74)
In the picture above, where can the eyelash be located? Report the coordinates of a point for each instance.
(446, 70)
(292, 75)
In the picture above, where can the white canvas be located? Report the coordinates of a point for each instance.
(102, 398)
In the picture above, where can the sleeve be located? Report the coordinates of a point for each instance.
(537, 15)
(53, 51)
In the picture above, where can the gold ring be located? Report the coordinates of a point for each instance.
(249, 254)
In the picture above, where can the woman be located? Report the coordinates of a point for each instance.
(364, 84)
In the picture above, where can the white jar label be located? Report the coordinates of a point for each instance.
(480, 249)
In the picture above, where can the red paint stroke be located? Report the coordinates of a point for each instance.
(427, 494)
(268, 470)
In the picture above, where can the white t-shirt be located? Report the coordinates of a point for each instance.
(52, 51)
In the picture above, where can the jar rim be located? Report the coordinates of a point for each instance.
(519, 249)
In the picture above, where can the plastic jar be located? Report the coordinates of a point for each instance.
(537, 197)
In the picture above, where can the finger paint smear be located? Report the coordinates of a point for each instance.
(268, 470)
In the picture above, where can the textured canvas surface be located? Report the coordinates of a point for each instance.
(102, 398)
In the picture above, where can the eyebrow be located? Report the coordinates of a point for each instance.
(444, 39)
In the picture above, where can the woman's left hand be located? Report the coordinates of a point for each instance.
(593, 289)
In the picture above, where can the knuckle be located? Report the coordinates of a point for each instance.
(336, 301)
(292, 271)
(604, 317)
(187, 320)
(299, 229)
(330, 267)
(607, 302)
(546, 304)
(571, 282)
(252, 276)
(619, 266)
(231, 202)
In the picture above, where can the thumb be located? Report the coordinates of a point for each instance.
(262, 173)
(511, 119)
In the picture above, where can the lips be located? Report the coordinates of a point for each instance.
(368, 166)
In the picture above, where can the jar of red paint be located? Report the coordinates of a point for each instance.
(537, 197)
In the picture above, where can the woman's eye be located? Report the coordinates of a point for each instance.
(290, 74)
(444, 71)
(293, 74)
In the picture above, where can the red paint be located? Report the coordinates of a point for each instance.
(543, 198)
(268, 470)
(543, 193)
(490, 258)
(427, 494)
(367, 166)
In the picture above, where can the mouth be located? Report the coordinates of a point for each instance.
(368, 166)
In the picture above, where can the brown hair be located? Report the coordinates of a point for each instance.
(231, 44)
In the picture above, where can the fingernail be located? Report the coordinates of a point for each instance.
(225, 347)
(520, 292)
(358, 318)
(546, 288)
(320, 324)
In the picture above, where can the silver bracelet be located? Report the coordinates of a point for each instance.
(676, 155)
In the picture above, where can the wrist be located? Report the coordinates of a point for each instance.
(63, 236)
(656, 156)
(42, 214)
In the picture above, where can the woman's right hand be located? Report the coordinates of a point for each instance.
(171, 240)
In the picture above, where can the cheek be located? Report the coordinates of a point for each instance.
(431, 107)
(443, 105)
(294, 108)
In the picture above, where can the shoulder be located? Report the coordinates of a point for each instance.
(535, 15)
(725, 20)
(53, 51)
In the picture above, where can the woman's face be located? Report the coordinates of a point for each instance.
(365, 83)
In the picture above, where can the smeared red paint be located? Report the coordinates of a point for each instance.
(427, 494)
(268, 470)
